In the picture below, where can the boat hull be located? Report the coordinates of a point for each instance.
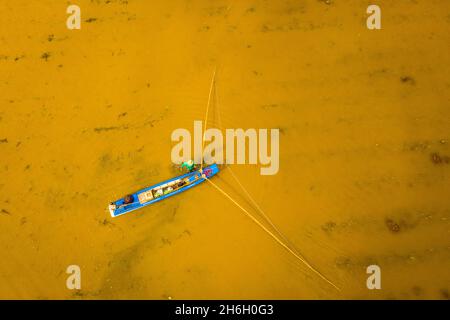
(161, 191)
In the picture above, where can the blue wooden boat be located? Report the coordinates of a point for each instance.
(160, 191)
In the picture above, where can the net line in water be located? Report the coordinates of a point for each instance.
(206, 115)
(299, 257)
(283, 241)
(254, 203)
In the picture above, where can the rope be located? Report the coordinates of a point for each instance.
(299, 257)
(258, 208)
(206, 116)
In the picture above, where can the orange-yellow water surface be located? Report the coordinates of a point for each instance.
(86, 116)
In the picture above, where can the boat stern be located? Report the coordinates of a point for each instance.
(112, 209)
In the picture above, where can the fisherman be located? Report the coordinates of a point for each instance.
(189, 165)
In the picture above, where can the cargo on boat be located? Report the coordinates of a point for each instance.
(160, 191)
